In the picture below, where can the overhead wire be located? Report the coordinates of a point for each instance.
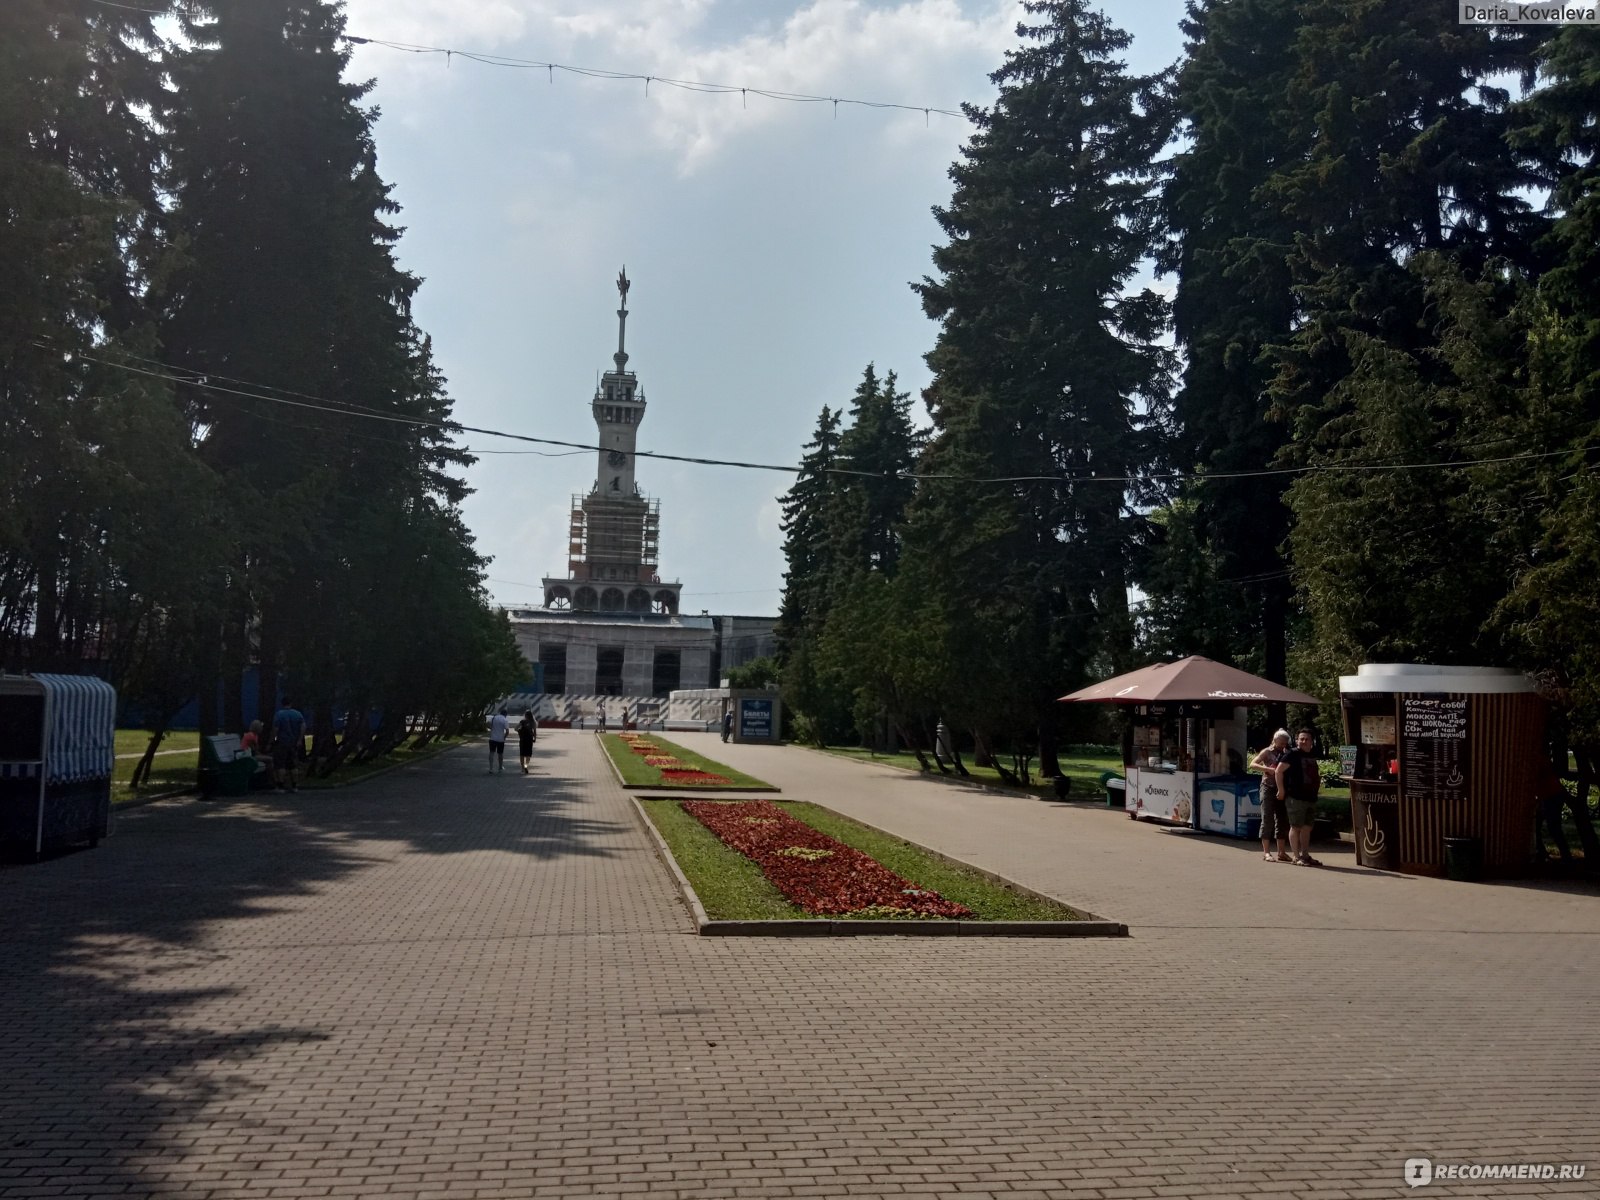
(550, 68)
(452, 427)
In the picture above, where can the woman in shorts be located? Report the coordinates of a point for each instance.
(1274, 808)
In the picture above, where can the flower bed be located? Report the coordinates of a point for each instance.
(652, 761)
(811, 869)
(683, 775)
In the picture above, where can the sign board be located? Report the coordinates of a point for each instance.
(1164, 795)
(1375, 817)
(755, 719)
(1377, 731)
(1347, 761)
(1433, 733)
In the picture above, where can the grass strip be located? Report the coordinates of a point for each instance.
(638, 773)
(732, 888)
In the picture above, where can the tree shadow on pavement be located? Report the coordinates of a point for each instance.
(116, 962)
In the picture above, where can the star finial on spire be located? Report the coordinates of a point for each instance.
(623, 285)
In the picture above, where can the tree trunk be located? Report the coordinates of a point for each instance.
(1049, 762)
(982, 756)
(141, 770)
(912, 744)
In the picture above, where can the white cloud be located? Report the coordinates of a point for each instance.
(904, 54)
(916, 52)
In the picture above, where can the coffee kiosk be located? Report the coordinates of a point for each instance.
(1441, 761)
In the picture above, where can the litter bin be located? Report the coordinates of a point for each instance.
(1116, 790)
(1463, 859)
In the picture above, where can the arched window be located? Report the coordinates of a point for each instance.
(611, 600)
(585, 598)
(666, 602)
(638, 601)
(558, 597)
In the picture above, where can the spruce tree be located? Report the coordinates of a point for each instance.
(290, 283)
(84, 444)
(1047, 367)
(1408, 178)
(1228, 246)
(1553, 612)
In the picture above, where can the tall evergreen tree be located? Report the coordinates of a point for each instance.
(1047, 367)
(1553, 611)
(880, 448)
(1408, 177)
(88, 450)
(1228, 246)
(808, 549)
(290, 281)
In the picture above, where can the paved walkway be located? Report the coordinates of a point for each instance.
(443, 983)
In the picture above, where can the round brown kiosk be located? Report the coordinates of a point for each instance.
(1442, 764)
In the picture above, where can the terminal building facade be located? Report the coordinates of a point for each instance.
(612, 625)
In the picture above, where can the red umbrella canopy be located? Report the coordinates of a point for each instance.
(1192, 678)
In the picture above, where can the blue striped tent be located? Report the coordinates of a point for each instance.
(55, 786)
(80, 727)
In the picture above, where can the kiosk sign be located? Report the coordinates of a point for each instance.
(755, 719)
(1433, 730)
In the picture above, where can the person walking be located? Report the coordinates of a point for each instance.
(288, 745)
(727, 723)
(602, 718)
(497, 741)
(527, 734)
(1274, 809)
(1299, 778)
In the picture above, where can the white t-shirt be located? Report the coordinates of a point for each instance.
(497, 727)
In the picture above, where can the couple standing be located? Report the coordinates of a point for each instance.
(1290, 780)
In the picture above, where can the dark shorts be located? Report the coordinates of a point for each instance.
(283, 757)
(1274, 816)
(1302, 813)
(496, 747)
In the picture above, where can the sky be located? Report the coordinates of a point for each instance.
(771, 245)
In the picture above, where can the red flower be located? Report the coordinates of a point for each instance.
(842, 881)
(687, 776)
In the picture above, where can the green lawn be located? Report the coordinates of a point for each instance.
(177, 772)
(638, 773)
(1085, 772)
(733, 888)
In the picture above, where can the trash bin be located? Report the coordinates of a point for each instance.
(1116, 790)
(1463, 859)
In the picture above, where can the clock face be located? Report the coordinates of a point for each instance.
(617, 458)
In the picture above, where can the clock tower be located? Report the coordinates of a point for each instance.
(613, 550)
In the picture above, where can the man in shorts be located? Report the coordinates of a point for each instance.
(1299, 780)
(288, 745)
(497, 741)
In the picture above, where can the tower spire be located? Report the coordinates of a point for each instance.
(621, 356)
